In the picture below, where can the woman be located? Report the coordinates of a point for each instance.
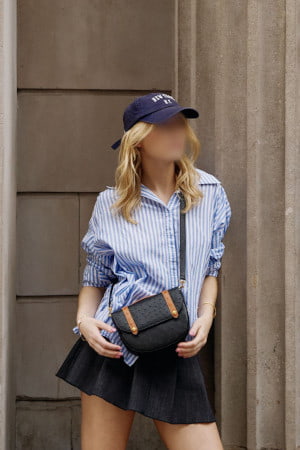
(132, 246)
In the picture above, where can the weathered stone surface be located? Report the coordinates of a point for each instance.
(47, 244)
(66, 44)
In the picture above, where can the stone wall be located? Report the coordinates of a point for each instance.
(68, 71)
(79, 65)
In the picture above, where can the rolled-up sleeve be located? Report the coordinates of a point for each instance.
(222, 215)
(99, 255)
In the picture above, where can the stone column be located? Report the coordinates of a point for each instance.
(8, 107)
(292, 226)
(238, 63)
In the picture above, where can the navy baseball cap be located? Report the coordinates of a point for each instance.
(155, 107)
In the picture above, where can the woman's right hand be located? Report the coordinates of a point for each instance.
(89, 328)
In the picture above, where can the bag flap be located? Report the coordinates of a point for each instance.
(149, 311)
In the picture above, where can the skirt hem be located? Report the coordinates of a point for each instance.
(144, 413)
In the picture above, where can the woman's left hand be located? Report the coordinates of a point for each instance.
(200, 330)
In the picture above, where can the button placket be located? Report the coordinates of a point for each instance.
(170, 215)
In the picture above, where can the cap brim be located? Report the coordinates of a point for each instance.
(162, 115)
(116, 144)
(166, 113)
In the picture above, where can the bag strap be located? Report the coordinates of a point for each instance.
(182, 249)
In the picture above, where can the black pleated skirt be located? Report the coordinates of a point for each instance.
(161, 385)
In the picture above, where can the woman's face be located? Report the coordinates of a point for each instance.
(167, 139)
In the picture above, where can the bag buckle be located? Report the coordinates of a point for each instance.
(181, 285)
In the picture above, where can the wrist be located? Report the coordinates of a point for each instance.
(207, 309)
(207, 314)
(79, 320)
(81, 317)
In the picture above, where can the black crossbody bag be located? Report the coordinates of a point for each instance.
(158, 321)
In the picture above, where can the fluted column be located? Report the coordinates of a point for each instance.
(237, 63)
(8, 108)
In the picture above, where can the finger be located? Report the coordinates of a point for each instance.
(105, 352)
(106, 344)
(190, 344)
(195, 328)
(104, 326)
(187, 351)
(108, 353)
(188, 354)
(181, 355)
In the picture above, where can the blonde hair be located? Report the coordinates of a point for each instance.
(129, 170)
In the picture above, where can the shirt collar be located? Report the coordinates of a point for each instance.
(205, 178)
(148, 193)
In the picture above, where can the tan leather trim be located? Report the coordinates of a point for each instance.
(170, 303)
(130, 320)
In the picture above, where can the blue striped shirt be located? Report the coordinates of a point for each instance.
(145, 257)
